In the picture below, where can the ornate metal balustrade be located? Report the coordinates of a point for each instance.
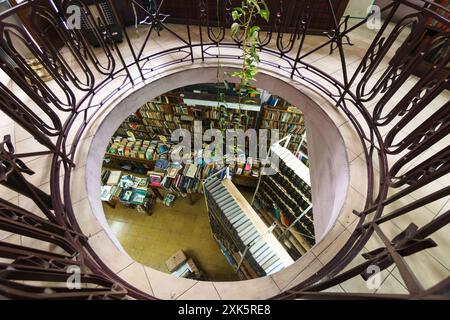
(85, 79)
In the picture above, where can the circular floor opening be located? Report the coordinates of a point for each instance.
(202, 183)
(325, 153)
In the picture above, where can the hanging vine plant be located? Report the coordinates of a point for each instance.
(244, 18)
(223, 109)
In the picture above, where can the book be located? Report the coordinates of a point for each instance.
(127, 195)
(106, 193)
(105, 175)
(114, 178)
(131, 136)
(138, 196)
(161, 164)
(168, 199)
(162, 149)
(191, 171)
(155, 178)
(172, 171)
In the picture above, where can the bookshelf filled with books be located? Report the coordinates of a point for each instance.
(289, 121)
(155, 156)
(248, 244)
(145, 135)
(285, 198)
(172, 111)
(229, 246)
(218, 108)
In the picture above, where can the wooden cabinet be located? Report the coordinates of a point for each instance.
(321, 20)
(181, 11)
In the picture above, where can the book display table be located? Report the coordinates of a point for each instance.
(130, 190)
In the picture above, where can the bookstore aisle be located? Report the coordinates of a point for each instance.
(152, 240)
(200, 215)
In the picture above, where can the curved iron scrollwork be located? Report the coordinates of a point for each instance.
(52, 116)
(301, 15)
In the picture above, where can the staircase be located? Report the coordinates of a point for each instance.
(251, 236)
(294, 163)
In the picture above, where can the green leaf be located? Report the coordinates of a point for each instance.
(237, 74)
(256, 4)
(253, 34)
(253, 30)
(265, 14)
(236, 15)
(239, 10)
(235, 28)
(264, 5)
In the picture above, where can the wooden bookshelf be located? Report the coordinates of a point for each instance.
(170, 112)
(116, 161)
(291, 195)
(226, 234)
(245, 180)
(288, 121)
(161, 116)
(291, 239)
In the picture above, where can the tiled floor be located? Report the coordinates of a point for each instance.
(151, 240)
(433, 264)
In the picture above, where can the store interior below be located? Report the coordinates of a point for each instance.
(169, 215)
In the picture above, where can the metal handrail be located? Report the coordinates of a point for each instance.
(101, 67)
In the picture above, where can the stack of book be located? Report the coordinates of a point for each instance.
(114, 178)
(250, 167)
(288, 120)
(169, 112)
(170, 175)
(105, 175)
(187, 180)
(108, 192)
(183, 179)
(166, 173)
(155, 178)
(140, 149)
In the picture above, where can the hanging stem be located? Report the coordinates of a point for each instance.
(220, 95)
(244, 18)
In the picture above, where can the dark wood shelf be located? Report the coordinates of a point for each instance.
(321, 18)
(116, 160)
(245, 181)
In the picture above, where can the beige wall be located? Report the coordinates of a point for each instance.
(402, 10)
(329, 172)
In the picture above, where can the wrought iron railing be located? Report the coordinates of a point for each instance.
(85, 79)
